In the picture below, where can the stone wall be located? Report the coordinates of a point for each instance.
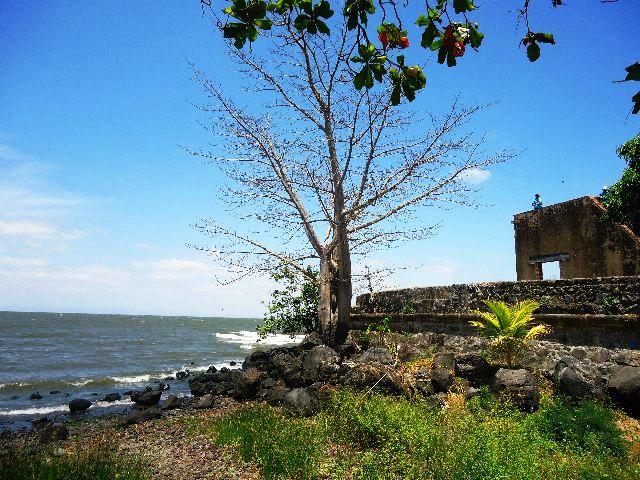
(610, 295)
(602, 312)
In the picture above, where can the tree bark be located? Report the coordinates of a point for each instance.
(335, 293)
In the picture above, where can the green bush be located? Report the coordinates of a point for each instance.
(584, 427)
(293, 308)
(90, 462)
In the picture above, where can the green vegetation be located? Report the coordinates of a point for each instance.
(509, 327)
(380, 437)
(294, 307)
(622, 199)
(90, 462)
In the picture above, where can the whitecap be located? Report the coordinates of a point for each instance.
(248, 339)
(132, 379)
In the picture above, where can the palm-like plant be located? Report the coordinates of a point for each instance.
(509, 327)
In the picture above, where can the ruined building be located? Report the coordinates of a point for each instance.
(575, 234)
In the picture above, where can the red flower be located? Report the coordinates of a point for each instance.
(403, 42)
(384, 38)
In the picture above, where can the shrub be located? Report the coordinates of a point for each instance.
(293, 308)
(509, 328)
(585, 427)
(89, 462)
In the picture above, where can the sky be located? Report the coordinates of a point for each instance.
(98, 197)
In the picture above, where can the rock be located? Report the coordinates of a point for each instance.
(259, 359)
(128, 393)
(163, 386)
(171, 402)
(146, 398)
(35, 396)
(53, 432)
(318, 356)
(206, 401)
(313, 339)
(168, 379)
(14, 397)
(471, 392)
(519, 386)
(423, 382)
(444, 360)
(54, 392)
(183, 375)
(41, 422)
(247, 384)
(624, 388)
(139, 416)
(111, 397)
(579, 352)
(374, 376)
(212, 369)
(475, 369)
(79, 405)
(572, 381)
(377, 354)
(441, 379)
(300, 401)
(275, 395)
(232, 363)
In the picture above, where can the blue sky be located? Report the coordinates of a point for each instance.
(97, 197)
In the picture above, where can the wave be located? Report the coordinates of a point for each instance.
(248, 340)
(60, 408)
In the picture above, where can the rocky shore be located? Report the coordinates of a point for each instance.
(300, 378)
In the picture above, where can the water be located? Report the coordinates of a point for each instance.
(87, 356)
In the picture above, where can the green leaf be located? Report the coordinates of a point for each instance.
(633, 72)
(436, 45)
(429, 35)
(322, 27)
(544, 38)
(395, 95)
(442, 54)
(461, 6)
(451, 60)
(264, 23)
(323, 9)
(533, 51)
(301, 22)
(360, 78)
(475, 37)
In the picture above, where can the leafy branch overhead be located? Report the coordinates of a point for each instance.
(445, 25)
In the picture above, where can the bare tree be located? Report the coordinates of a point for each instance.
(327, 171)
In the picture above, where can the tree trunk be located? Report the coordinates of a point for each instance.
(334, 305)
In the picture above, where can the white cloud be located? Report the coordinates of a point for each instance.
(22, 262)
(475, 175)
(9, 153)
(35, 230)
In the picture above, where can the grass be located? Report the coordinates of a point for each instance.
(381, 437)
(94, 461)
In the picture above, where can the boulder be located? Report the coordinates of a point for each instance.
(111, 397)
(206, 401)
(139, 416)
(213, 369)
(519, 386)
(475, 369)
(445, 360)
(275, 395)
(79, 405)
(53, 432)
(146, 398)
(313, 339)
(35, 396)
(624, 388)
(183, 375)
(260, 359)
(41, 422)
(163, 386)
(317, 358)
(423, 382)
(441, 379)
(247, 384)
(300, 401)
(377, 354)
(374, 376)
(573, 380)
(171, 402)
